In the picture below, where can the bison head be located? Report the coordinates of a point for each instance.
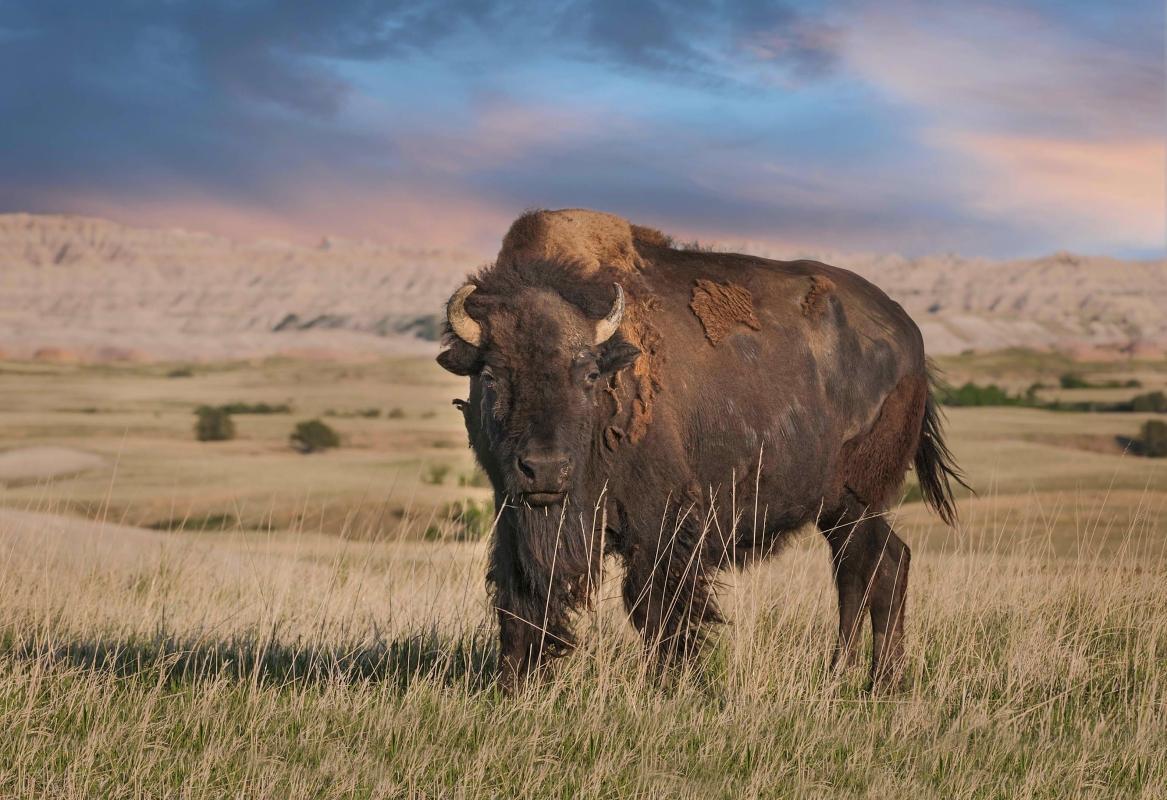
(537, 365)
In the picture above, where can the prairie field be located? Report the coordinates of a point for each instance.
(235, 619)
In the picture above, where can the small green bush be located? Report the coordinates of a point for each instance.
(257, 408)
(477, 479)
(205, 522)
(180, 372)
(971, 394)
(395, 413)
(1072, 380)
(363, 413)
(213, 425)
(436, 474)
(466, 520)
(1154, 439)
(1151, 401)
(312, 436)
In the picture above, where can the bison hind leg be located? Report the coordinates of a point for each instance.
(874, 463)
(870, 564)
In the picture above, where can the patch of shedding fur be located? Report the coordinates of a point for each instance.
(721, 307)
(814, 303)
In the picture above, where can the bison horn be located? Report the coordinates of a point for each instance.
(608, 325)
(463, 326)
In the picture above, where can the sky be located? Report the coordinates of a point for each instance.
(997, 129)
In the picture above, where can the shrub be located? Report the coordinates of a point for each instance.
(213, 425)
(436, 474)
(1072, 380)
(477, 479)
(256, 408)
(466, 520)
(1151, 401)
(364, 413)
(180, 372)
(205, 522)
(971, 394)
(313, 436)
(396, 413)
(1154, 439)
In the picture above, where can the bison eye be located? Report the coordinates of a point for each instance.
(592, 377)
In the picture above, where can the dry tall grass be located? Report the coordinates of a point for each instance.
(147, 664)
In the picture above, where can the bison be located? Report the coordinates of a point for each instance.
(686, 411)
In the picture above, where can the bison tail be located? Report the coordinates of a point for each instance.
(936, 469)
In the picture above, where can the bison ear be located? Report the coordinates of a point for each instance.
(617, 354)
(460, 359)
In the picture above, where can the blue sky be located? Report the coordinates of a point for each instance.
(985, 128)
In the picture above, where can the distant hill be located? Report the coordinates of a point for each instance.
(75, 287)
(89, 289)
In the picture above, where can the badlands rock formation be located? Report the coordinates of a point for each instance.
(74, 288)
(1086, 306)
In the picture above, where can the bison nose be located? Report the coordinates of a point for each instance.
(545, 471)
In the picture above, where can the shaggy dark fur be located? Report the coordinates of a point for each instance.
(813, 415)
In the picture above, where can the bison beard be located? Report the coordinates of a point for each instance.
(824, 375)
(544, 566)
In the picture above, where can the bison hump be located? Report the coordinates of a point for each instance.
(590, 239)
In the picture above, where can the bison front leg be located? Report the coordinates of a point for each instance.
(518, 646)
(668, 592)
(536, 596)
(870, 564)
(533, 630)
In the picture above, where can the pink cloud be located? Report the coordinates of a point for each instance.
(500, 130)
(1040, 124)
(1001, 67)
(1105, 190)
(400, 214)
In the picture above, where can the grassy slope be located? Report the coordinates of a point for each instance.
(294, 664)
(154, 664)
(142, 422)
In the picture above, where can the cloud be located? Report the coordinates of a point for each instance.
(702, 42)
(259, 103)
(910, 126)
(1110, 192)
(1045, 117)
(1007, 67)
